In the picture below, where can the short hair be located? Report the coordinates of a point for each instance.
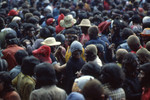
(93, 32)
(133, 42)
(120, 54)
(45, 74)
(126, 32)
(148, 45)
(28, 26)
(11, 39)
(93, 89)
(13, 25)
(112, 75)
(28, 65)
(33, 20)
(45, 33)
(20, 55)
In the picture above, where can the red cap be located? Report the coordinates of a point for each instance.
(50, 21)
(103, 25)
(12, 12)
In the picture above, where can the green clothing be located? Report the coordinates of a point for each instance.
(24, 85)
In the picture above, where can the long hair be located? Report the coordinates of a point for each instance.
(146, 79)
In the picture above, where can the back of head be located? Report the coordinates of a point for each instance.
(92, 69)
(91, 49)
(112, 75)
(93, 90)
(130, 63)
(75, 96)
(148, 45)
(126, 33)
(93, 32)
(143, 55)
(133, 42)
(45, 74)
(60, 38)
(28, 65)
(20, 55)
(45, 33)
(120, 54)
(11, 39)
(146, 22)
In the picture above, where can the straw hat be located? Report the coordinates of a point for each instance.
(50, 42)
(68, 21)
(85, 22)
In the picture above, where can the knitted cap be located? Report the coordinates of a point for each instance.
(92, 48)
(75, 46)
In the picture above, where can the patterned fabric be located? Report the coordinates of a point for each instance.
(48, 93)
(24, 85)
(117, 94)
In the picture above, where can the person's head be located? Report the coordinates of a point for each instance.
(20, 55)
(3, 65)
(33, 20)
(30, 29)
(112, 75)
(104, 27)
(120, 53)
(143, 55)
(60, 38)
(93, 32)
(136, 19)
(85, 24)
(43, 53)
(5, 83)
(11, 39)
(14, 26)
(133, 42)
(130, 63)
(75, 96)
(126, 32)
(45, 75)
(148, 45)
(92, 69)
(44, 33)
(144, 75)
(146, 22)
(91, 52)
(71, 35)
(27, 16)
(93, 90)
(76, 49)
(28, 65)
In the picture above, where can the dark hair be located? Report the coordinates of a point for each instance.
(3, 65)
(136, 19)
(92, 69)
(126, 33)
(28, 65)
(45, 74)
(130, 63)
(45, 33)
(113, 75)
(93, 32)
(60, 38)
(11, 39)
(5, 77)
(20, 55)
(33, 20)
(28, 26)
(13, 25)
(146, 79)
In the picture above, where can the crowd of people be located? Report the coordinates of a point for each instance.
(75, 50)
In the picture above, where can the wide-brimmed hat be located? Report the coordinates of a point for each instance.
(146, 32)
(68, 21)
(85, 23)
(50, 42)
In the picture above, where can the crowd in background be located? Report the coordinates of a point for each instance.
(74, 49)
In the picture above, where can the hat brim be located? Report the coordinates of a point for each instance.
(66, 25)
(84, 25)
(52, 44)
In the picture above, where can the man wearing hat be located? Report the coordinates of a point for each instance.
(146, 32)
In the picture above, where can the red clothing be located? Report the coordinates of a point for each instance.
(12, 96)
(8, 55)
(84, 38)
(146, 94)
(58, 27)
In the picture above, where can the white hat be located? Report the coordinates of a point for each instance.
(50, 42)
(146, 19)
(68, 21)
(85, 22)
(16, 19)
